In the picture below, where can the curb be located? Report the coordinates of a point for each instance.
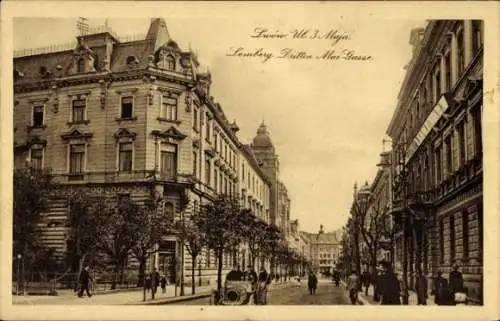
(46, 293)
(172, 299)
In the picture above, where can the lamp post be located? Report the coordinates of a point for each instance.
(317, 246)
(403, 181)
(19, 256)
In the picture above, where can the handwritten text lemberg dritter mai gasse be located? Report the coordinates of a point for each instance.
(333, 37)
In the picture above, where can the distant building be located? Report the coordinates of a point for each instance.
(265, 154)
(325, 250)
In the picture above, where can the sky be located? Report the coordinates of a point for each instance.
(327, 118)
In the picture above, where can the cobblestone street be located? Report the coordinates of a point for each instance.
(297, 294)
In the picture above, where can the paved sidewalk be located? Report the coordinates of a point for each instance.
(132, 296)
(368, 299)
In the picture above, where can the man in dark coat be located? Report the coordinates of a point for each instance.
(263, 281)
(456, 281)
(441, 290)
(365, 280)
(421, 288)
(155, 280)
(390, 288)
(376, 282)
(84, 281)
(312, 282)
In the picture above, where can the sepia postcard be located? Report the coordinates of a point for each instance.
(250, 160)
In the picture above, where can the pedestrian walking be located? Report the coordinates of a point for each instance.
(353, 286)
(365, 279)
(390, 288)
(421, 288)
(263, 281)
(163, 284)
(155, 280)
(336, 278)
(147, 283)
(376, 282)
(441, 290)
(457, 285)
(312, 283)
(85, 282)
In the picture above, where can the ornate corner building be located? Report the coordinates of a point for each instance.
(137, 117)
(437, 158)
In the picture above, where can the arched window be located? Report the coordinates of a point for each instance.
(168, 211)
(170, 62)
(80, 65)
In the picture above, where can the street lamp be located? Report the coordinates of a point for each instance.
(19, 256)
(401, 179)
(317, 246)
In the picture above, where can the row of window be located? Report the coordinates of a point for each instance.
(125, 158)
(451, 241)
(451, 154)
(252, 182)
(79, 110)
(221, 144)
(432, 86)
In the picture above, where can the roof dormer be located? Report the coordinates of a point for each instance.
(85, 60)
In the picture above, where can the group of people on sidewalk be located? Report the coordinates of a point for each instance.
(154, 280)
(389, 289)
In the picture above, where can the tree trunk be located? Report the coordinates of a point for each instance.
(116, 270)
(122, 272)
(80, 267)
(193, 266)
(219, 270)
(142, 270)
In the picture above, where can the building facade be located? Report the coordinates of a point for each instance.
(379, 220)
(129, 119)
(436, 132)
(325, 250)
(279, 201)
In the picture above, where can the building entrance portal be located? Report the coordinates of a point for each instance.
(167, 260)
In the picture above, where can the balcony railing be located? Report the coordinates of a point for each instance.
(468, 172)
(120, 177)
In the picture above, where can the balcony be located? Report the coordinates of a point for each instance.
(120, 177)
(470, 172)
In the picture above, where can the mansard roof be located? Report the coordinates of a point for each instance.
(58, 63)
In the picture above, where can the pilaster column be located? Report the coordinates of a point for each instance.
(442, 74)
(468, 41)
(454, 57)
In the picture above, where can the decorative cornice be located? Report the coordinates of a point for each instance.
(35, 140)
(172, 132)
(125, 133)
(76, 134)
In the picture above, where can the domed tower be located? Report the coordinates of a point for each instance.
(265, 154)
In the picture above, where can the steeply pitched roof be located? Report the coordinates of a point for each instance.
(158, 33)
(140, 49)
